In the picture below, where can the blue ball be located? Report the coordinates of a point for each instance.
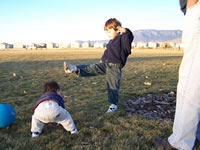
(7, 115)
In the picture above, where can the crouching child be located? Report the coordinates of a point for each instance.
(50, 108)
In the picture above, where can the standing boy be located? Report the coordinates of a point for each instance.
(112, 61)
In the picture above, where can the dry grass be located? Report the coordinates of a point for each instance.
(58, 54)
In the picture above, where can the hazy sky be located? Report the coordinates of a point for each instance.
(68, 20)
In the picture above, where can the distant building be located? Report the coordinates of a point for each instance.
(141, 45)
(173, 45)
(19, 45)
(51, 45)
(75, 45)
(32, 46)
(42, 45)
(10, 45)
(86, 45)
(64, 45)
(152, 45)
(99, 44)
(4, 45)
(168, 45)
(179, 45)
(163, 45)
(133, 44)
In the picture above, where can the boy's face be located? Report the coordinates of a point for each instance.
(111, 33)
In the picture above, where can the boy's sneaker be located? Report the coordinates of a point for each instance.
(68, 68)
(75, 131)
(112, 108)
(35, 134)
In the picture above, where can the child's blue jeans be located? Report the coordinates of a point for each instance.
(113, 74)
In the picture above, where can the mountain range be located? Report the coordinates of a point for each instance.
(151, 35)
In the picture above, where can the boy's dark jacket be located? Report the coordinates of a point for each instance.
(50, 96)
(118, 49)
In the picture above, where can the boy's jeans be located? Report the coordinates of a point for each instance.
(113, 76)
(51, 112)
(188, 91)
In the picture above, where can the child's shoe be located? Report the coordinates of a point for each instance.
(35, 134)
(112, 108)
(75, 131)
(68, 68)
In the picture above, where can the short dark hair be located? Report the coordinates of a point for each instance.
(112, 23)
(51, 86)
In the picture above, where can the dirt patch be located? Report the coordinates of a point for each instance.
(152, 106)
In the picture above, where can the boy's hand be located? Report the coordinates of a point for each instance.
(190, 3)
(121, 29)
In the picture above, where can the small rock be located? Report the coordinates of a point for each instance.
(14, 74)
(147, 83)
(171, 93)
(137, 102)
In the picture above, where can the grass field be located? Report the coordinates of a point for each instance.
(85, 99)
